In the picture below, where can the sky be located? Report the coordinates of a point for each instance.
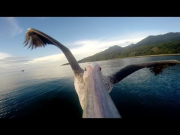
(84, 36)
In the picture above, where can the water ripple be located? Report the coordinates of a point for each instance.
(50, 93)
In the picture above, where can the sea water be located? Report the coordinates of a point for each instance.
(49, 92)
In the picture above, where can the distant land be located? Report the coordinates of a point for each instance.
(168, 43)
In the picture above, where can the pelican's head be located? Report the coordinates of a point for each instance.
(93, 78)
(92, 81)
(92, 70)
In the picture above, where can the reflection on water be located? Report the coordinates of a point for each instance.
(49, 92)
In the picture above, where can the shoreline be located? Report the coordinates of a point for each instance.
(134, 57)
(147, 56)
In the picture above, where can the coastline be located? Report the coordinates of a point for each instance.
(133, 57)
(147, 56)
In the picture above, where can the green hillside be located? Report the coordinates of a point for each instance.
(171, 36)
(153, 49)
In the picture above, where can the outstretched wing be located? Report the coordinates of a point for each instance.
(36, 38)
(155, 67)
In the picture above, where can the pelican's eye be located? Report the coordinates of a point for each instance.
(100, 68)
(85, 69)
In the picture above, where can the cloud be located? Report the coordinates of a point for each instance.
(11, 26)
(51, 58)
(4, 55)
(11, 63)
(91, 47)
(9, 60)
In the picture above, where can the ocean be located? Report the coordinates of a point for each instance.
(48, 93)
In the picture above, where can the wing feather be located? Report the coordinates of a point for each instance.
(155, 67)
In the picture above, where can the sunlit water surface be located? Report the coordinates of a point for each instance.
(49, 92)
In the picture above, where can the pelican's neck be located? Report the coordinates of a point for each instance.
(97, 101)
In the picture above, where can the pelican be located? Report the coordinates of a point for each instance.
(91, 86)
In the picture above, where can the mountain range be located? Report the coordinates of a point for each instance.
(168, 43)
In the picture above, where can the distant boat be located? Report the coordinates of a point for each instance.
(22, 70)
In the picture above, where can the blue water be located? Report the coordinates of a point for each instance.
(49, 92)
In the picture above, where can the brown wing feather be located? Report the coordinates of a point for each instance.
(158, 69)
(36, 40)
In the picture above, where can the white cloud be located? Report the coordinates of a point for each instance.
(10, 60)
(4, 55)
(12, 26)
(51, 58)
(90, 47)
(11, 63)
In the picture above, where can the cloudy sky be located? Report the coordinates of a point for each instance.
(84, 36)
